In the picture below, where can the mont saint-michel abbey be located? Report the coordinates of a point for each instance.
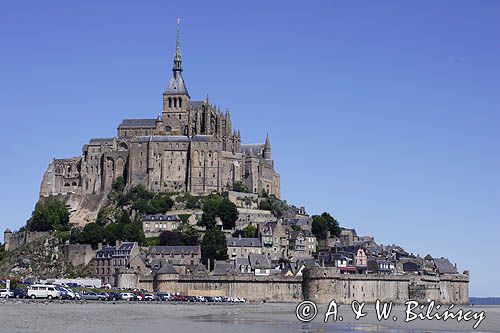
(190, 147)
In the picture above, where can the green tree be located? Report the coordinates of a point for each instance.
(92, 234)
(210, 210)
(2, 252)
(49, 214)
(228, 213)
(161, 203)
(333, 224)
(250, 231)
(319, 227)
(213, 246)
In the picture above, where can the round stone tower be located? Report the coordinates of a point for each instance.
(7, 234)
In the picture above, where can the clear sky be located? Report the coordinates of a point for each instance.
(385, 114)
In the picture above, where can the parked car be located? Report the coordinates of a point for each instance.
(128, 297)
(103, 296)
(240, 300)
(90, 296)
(115, 296)
(19, 293)
(48, 291)
(165, 297)
(66, 293)
(78, 296)
(150, 297)
(6, 293)
(139, 295)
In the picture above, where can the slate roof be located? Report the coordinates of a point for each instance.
(298, 222)
(129, 123)
(167, 268)
(126, 246)
(196, 104)
(252, 149)
(245, 242)
(161, 217)
(259, 261)
(164, 138)
(175, 249)
(241, 261)
(176, 85)
(223, 268)
(99, 141)
(444, 266)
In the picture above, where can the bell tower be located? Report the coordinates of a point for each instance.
(176, 97)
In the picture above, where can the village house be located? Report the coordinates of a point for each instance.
(242, 247)
(302, 243)
(380, 266)
(176, 255)
(154, 225)
(109, 259)
(274, 236)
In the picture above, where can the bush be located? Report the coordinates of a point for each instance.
(239, 186)
(119, 184)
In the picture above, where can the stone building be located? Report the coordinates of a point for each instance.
(176, 255)
(154, 225)
(275, 239)
(110, 258)
(242, 247)
(191, 146)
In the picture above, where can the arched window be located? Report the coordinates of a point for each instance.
(169, 102)
(180, 103)
(175, 102)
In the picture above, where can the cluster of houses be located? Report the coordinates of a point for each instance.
(281, 247)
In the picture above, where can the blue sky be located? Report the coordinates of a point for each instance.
(386, 115)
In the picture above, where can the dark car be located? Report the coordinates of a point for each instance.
(115, 296)
(19, 293)
(210, 299)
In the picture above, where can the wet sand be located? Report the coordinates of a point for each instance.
(59, 316)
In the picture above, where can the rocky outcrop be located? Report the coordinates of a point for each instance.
(42, 258)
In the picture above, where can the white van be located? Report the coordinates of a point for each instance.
(48, 291)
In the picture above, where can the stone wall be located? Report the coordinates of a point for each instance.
(317, 284)
(324, 284)
(18, 239)
(79, 254)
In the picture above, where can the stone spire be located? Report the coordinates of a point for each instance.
(267, 148)
(178, 57)
(176, 85)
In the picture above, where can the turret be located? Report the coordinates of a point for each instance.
(7, 234)
(267, 149)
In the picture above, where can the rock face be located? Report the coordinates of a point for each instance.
(42, 258)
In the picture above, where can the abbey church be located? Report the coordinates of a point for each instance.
(190, 147)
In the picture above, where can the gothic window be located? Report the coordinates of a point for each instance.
(180, 104)
(175, 102)
(169, 102)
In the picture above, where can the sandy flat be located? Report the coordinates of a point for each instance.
(58, 316)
